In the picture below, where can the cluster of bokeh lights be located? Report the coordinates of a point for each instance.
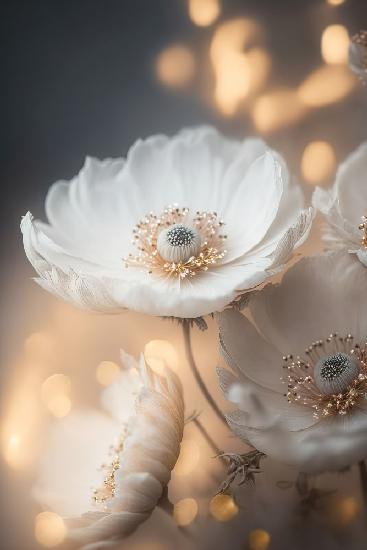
(237, 85)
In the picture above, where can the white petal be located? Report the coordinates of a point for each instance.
(326, 446)
(351, 186)
(317, 296)
(119, 398)
(254, 203)
(249, 354)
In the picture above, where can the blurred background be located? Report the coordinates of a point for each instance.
(88, 78)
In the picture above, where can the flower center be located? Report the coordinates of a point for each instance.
(334, 373)
(333, 378)
(178, 243)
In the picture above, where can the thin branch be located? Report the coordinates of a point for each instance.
(194, 369)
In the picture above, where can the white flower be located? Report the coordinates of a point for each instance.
(106, 473)
(345, 206)
(235, 220)
(311, 331)
(358, 55)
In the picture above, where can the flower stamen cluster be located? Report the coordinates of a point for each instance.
(108, 489)
(329, 354)
(147, 231)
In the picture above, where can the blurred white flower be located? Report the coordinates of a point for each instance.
(358, 55)
(345, 206)
(105, 473)
(113, 242)
(300, 377)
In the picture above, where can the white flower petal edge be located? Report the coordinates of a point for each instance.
(307, 427)
(79, 255)
(106, 493)
(345, 205)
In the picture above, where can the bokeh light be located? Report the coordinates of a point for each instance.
(204, 12)
(326, 85)
(231, 65)
(335, 44)
(22, 418)
(343, 511)
(223, 507)
(335, 2)
(277, 109)
(49, 529)
(175, 66)
(318, 162)
(159, 354)
(258, 539)
(55, 394)
(107, 372)
(188, 459)
(185, 511)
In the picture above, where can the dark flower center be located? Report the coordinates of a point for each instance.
(180, 235)
(334, 365)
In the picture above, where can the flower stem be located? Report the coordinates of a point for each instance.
(206, 436)
(363, 476)
(194, 369)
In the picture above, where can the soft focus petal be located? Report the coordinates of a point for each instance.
(317, 296)
(70, 464)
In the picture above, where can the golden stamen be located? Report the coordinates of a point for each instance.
(146, 235)
(108, 489)
(301, 382)
(363, 227)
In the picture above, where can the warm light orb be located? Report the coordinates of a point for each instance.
(204, 12)
(11, 449)
(21, 418)
(107, 372)
(277, 109)
(326, 85)
(185, 511)
(335, 44)
(233, 71)
(188, 459)
(175, 66)
(55, 394)
(318, 162)
(259, 63)
(159, 353)
(223, 507)
(343, 511)
(49, 529)
(258, 539)
(335, 2)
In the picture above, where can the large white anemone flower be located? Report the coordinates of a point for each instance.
(105, 473)
(345, 206)
(300, 371)
(181, 227)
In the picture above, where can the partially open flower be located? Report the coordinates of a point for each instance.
(106, 473)
(180, 228)
(345, 206)
(300, 377)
